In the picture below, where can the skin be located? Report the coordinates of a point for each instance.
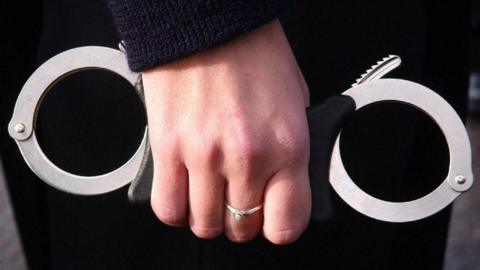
(229, 125)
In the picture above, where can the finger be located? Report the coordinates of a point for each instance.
(206, 193)
(243, 196)
(246, 168)
(287, 205)
(169, 198)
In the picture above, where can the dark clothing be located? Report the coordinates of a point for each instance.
(391, 151)
(156, 32)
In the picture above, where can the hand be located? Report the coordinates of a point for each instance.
(229, 125)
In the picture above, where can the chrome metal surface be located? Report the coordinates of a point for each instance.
(19, 128)
(380, 69)
(450, 124)
(121, 46)
(29, 101)
(460, 179)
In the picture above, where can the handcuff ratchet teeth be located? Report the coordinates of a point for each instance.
(367, 90)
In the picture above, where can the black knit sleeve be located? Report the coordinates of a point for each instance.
(158, 31)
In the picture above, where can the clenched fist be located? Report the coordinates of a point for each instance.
(228, 126)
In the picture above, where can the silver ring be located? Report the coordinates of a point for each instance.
(240, 214)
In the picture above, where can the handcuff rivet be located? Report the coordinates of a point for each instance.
(460, 179)
(20, 128)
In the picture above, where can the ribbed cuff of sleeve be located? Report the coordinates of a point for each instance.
(156, 32)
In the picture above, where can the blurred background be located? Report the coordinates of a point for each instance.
(463, 250)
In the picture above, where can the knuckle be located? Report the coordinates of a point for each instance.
(207, 223)
(207, 154)
(206, 232)
(167, 215)
(162, 146)
(244, 233)
(293, 144)
(283, 237)
(203, 152)
(247, 150)
(241, 237)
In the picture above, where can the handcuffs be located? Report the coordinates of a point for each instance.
(369, 89)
